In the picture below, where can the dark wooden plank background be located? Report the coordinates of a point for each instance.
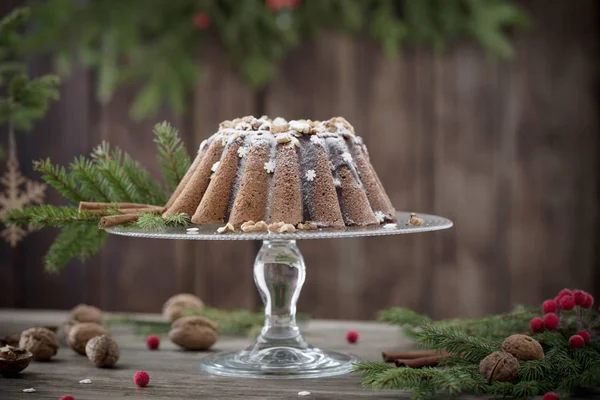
(508, 150)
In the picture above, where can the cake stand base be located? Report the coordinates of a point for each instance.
(280, 350)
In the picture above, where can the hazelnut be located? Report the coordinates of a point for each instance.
(176, 305)
(41, 342)
(193, 333)
(102, 351)
(251, 226)
(308, 226)
(79, 335)
(85, 313)
(499, 367)
(523, 347)
(13, 359)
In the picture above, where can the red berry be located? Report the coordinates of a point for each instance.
(588, 301)
(141, 378)
(152, 342)
(202, 21)
(551, 321)
(549, 306)
(576, 342)
(578, 296)
(566, 303)
(67, 398)
(565, 292)
(551, 396)
(536, 324)
(585, 335)
(352, 336)
(276, 5)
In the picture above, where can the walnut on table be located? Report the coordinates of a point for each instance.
(193, 333)
(41, 342)
(102, 351)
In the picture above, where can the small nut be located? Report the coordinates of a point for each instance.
(102, 351)
(176, 305)
(193, 333)
(226, 124)
(279, 126)
(300, 126)
(227, 228)
(295, 142)
(86, 313)
(246, 225)
(523, 347)
(275, 227)
(287, 228)
(41, 342)
(14, 360)
(415, 220)
(251, 226)
(80, 334)
(285, 138)
(499, 367)
(308, 226)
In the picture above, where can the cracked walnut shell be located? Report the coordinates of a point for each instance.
(13, 359)
(499, 367)
(41, 342)
(86, 313)
(80, 334)
(523, 347)
(102, 351)
(193, 333)
(176, 305)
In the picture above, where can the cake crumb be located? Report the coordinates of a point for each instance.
(226, 228)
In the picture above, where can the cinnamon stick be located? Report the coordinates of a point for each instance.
(391, 356)
(87, 205)
(421, 362)
(112, 220)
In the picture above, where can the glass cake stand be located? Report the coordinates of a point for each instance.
(279, 272)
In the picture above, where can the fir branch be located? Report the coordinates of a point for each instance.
(456, 342)
(403, 316)
(57, 177)
(180, 219)
(115, 179)
(73, 241)
(92, 184)
(150, 222)
(172, 155)
(46, 215)
(151, 191)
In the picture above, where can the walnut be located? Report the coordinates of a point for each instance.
(287, 228)
(41, 342)
(102, 351)
(193, 333)
(415, 220)
(14, 360)
(67, 327)
(275, 227)
(10, 340)
(174, 307)
(251, 226)
(227, 228)
(85, 313)
(499, 367)
(523, 347)
(79, 335)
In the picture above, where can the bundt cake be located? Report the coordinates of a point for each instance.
(303, 172)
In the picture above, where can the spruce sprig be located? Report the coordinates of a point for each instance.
(47, 215)
(61, 180)
(73, 241)
(465, 347)
(174, 159)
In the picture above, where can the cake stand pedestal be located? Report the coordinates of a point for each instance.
(279, 273)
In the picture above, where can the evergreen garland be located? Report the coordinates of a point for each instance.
(157, 42)
(107, 175)
(564, 369)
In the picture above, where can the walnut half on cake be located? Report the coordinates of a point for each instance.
(258, 169)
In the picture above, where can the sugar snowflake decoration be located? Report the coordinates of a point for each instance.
(310, 175)
(242, 152)
(215, 166)
(347, 157)
(316, 140)
(270, 167)
(380, 216)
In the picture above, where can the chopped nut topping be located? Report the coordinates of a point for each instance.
(308, 226)
(415, 220)
(280, 128)
(284, 138)
(287, 228)
(300, 126)
(274, 227)
(251, 226)
(227, 228)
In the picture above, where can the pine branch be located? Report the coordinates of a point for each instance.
(50, 216)
(172, 155)
(403, 316)
(73, 241)
(180, 219)
(90, 180)
(57, 177)
(151, 222)
(151, 190)
(456, 342)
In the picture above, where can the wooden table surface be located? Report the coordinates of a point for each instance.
(175, 374)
